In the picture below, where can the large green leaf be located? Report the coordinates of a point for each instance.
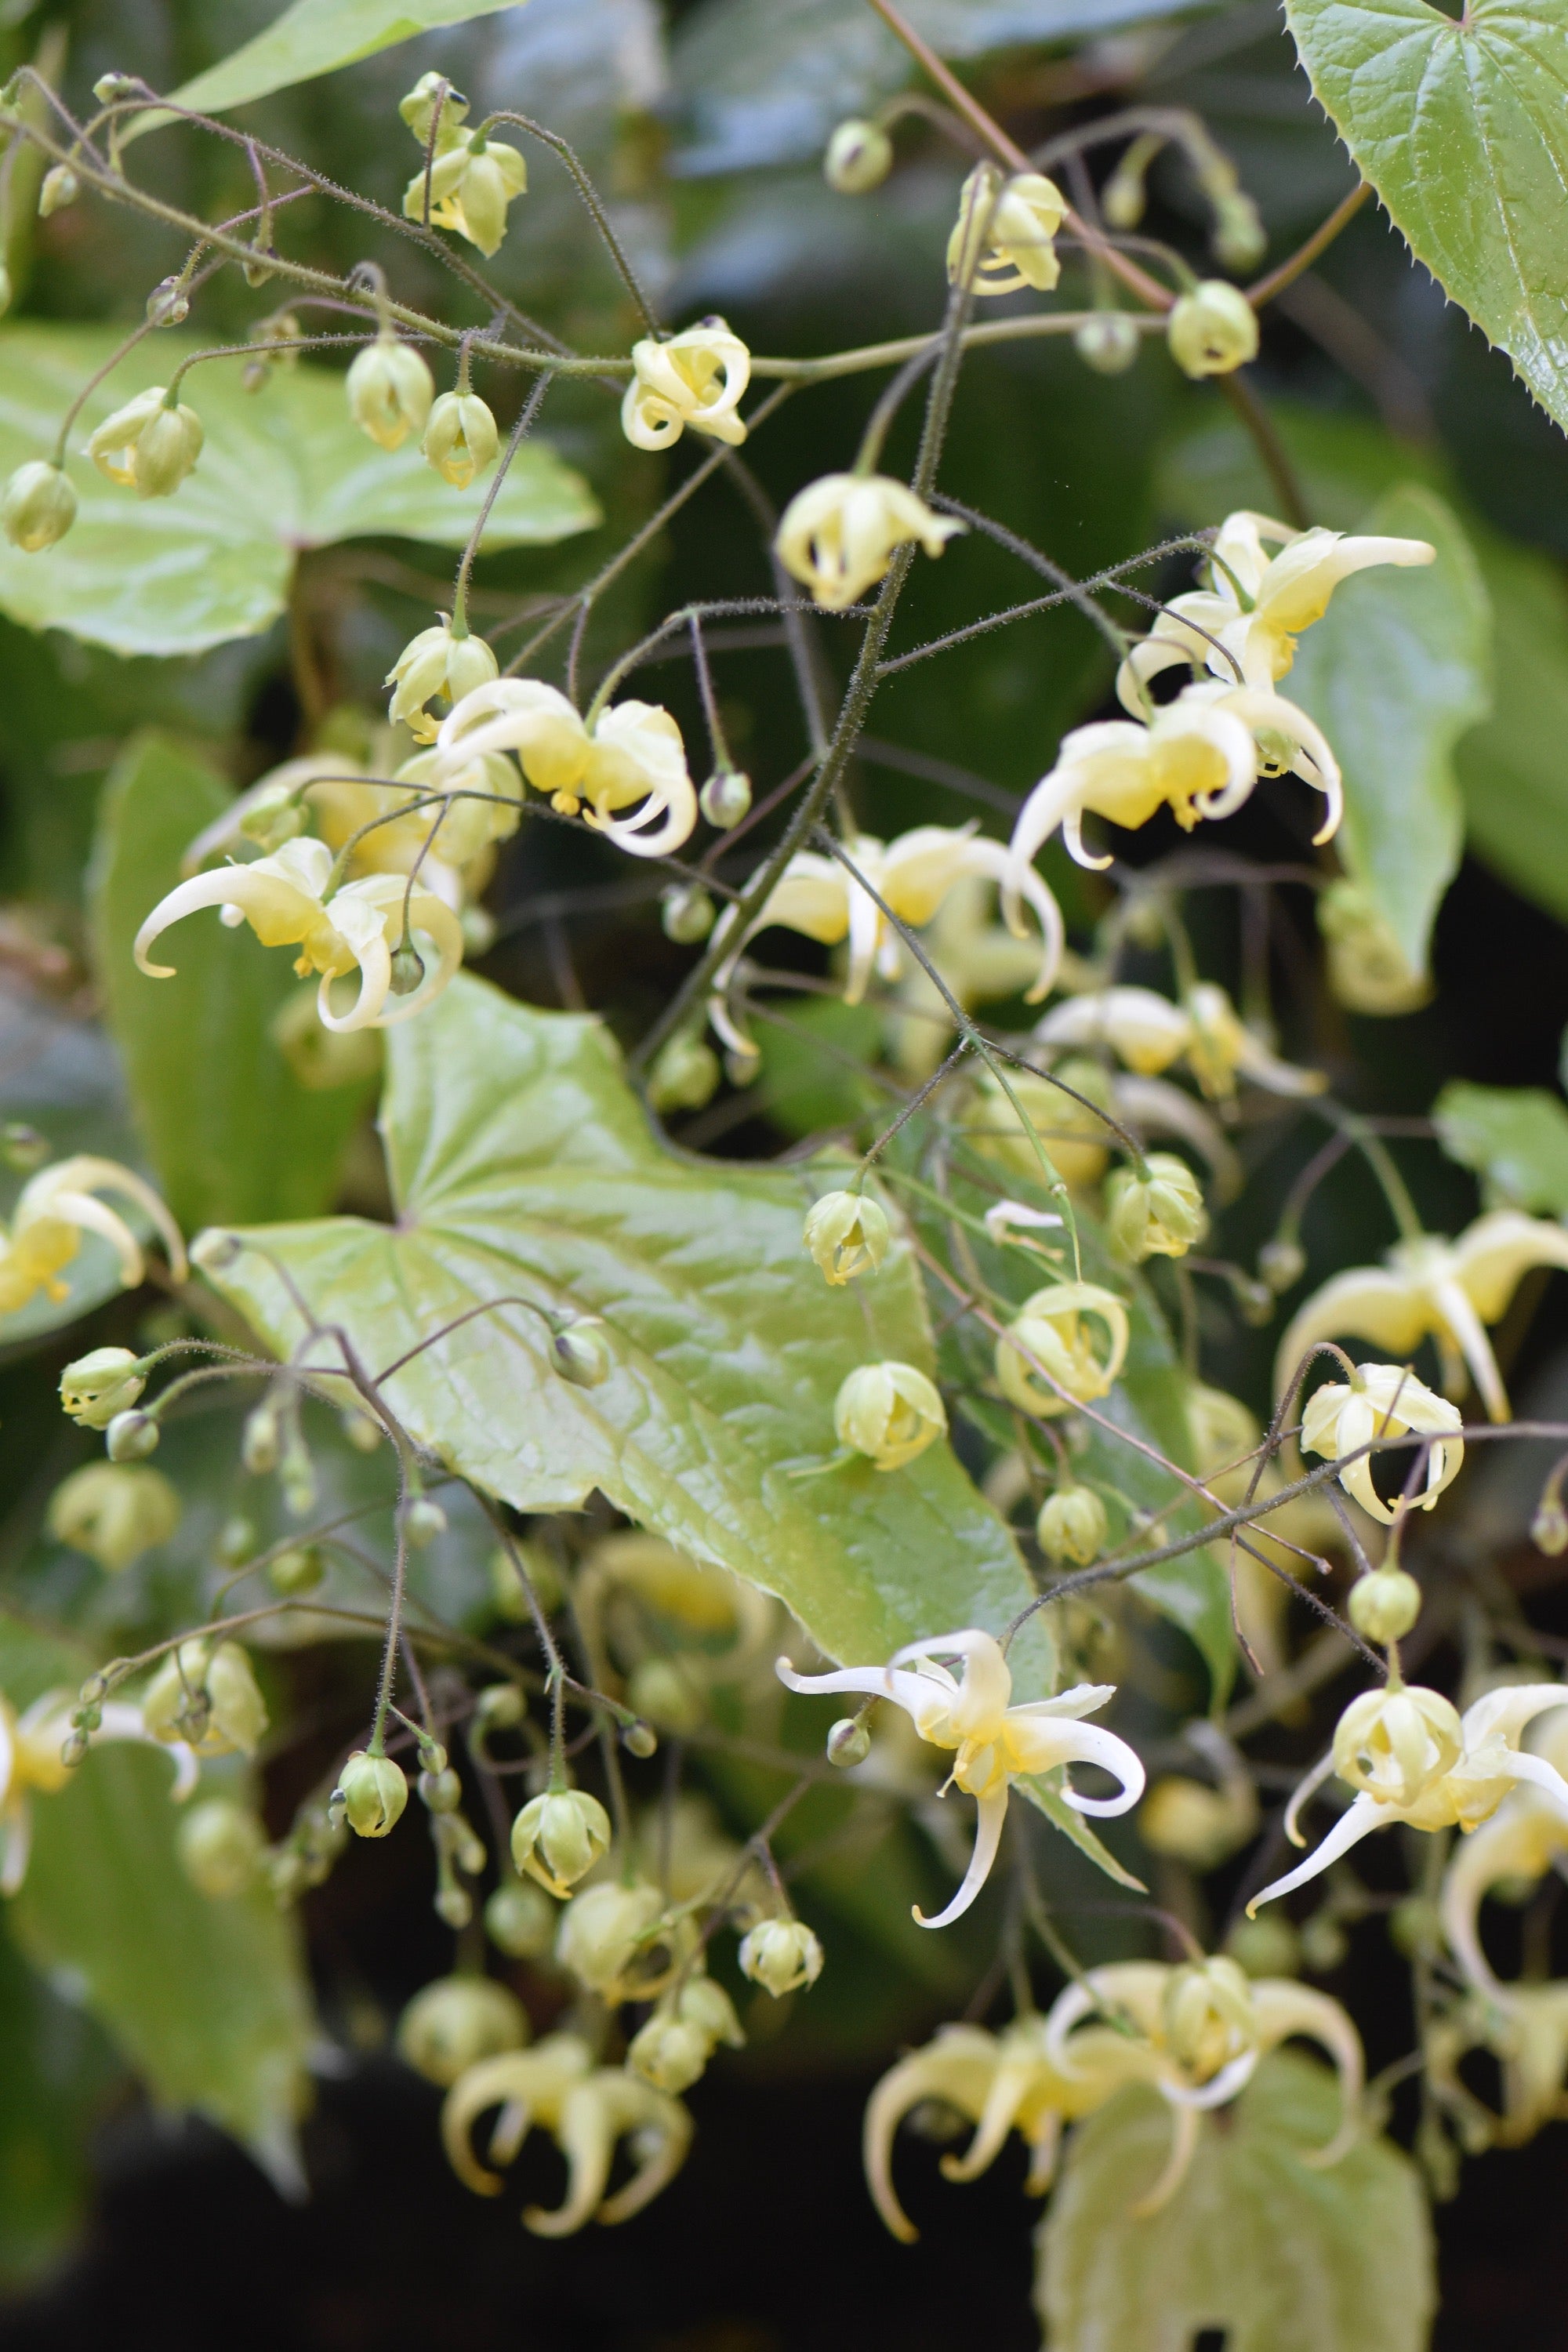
(1267, 2252)
(283, 469)
(1515, 1137)
(207, 1999)
(1394, 672)
(316, 37)
(1460, 125)
(1513, 768)
(521, 1165)
(232, 1133)
(764, 81)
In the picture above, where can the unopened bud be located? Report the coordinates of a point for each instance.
(423, 1522)
(39, 507)
(606, 1939)
(21, 1146)
(457, 2022)
(579, 1353)
(849, 1742)
(781, 1954)
(519, 1921)
(260, 1443)
(111, 87)
(206, 1698)
(1108, 343)
(686, 912)
(725, 798)
(272, 817)
(1384, 1605)
(99, 1386)
(131, 1437)
(889, 1411)
(669, 1698)
(669, 2052)
(220, 1845)
(845, 1234)
(236, 1539)
(299, 1570)
(1212, 331)
(460, 438)
(557, 1837)
(60, 187)
(860, 157)
(1072, 1525)
(1267, 1946)
(1240, 240)
(639, 1740)
(407, 970)
(1549, 1528)
(685, 1074)
(73, 1749)
(169, 303)
(1281, 1264)
(370, 1794)
(1157, 1215)
(441, 1792)
(389, 391)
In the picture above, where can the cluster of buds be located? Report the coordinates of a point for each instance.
(459, 1847)
(471, 179)
(205, 1696)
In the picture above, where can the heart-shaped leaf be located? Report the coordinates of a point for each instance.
(1460, 126)
(524, 1170)
(283, 469)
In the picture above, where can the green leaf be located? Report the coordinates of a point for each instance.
(1394, 672)
(315, 37)
(764, 81)
(1513, 768)
(1263, 2248)
(521, 1165)
(232, 1133)
(1516, 1137)
(54, 2072)
(283, 469)
(1074, 1825)
(1460, 125)
(207, 1999)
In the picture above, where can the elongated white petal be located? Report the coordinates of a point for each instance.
(1093, 1745)
(993, 1810)
(1286, 2009)
(235, 885)
(1360, 1819)
(1183, 2140)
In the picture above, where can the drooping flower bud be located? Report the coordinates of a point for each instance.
(1240, 239)
(299, 1570)
(838, 534)
(150, 443)
(390, 389)
(685, 1074)
(99, 1385)
(579, 1353)
(1281, 1263)
(220, 1845)
(472, 180)
(236, 1539)
(260, 1442)
(1078, 1332)
(1384, 1605)
(423, 1522)
(1108, 343)
(725, 798)
(60, 187)
(131, 1437)
(111, 87)
(668, 1697)
(605, 1939)
(859, 157)
(460, 439)
(1072, 1525)
(849, 1742)
(169, 303)
(557, 1837)
(1212, 331)
(639, 1740)
(781, 1954)
(39, 507)
(671, 2052)
(1160, 1213)
(686, 914)
(206, 1697)
(370, 1794)
(418, 111)
(113, 1512)
(520, 1920)
(450, 2025)
(890, 1413)
(847, 1234)
(1549, 1528)
(437, 662)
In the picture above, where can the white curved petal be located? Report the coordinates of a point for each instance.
(992, 1812)
(1361, 1817)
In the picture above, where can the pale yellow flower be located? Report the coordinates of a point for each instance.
(838, 534)
(889, 1411)
(993, 1739)
(587, 2110)
(1383, 1401)
(472, 182)
(1056, 1325)
(632, 755)
(284, 900)
(1432, 1288)
(56, 1208)
(1150, 1034)
(1248, 617)
(1525, 1838)
(1001, 239)
(1413, 1760)
(1199, 756)
(32, 1765)
(695, 378)
(1527, 2034)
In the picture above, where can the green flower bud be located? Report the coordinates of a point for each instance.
(299, 1570)
(113, 1512)
(579, 1353)
(460, 439)
(1281, 1264)
(1161, 1214)
(1240, 239)
(206, 1697)
(439, 661)
(22, 1147)
(605, 1939)
(389, 391)
(423, 1522)
(407, 970)
(1072, 1525)
(685, 1074)
(418, 111)
(725, 798)
(686, 912)
(98, 1386)
(456, 2021)
(849, 1742)
(860, 157)
(260, 1442)
(669, 2052)
(150, 444)
(519, 1921)
(220, 1846)
(60, 187)
(169, 303)
(111, 87)
(1213, 330)
(237, 1541)
(39, 507)
(845, 1234)
(1384, 1605)
(890, 1413)
(558, 1838)
(131, 1437)
(781, 1954)
(1108, 343)
(639, 1740)
(668, 1697)
(440, 1791)
(370, 1794)
(1549, 1528)
(1124, 196)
